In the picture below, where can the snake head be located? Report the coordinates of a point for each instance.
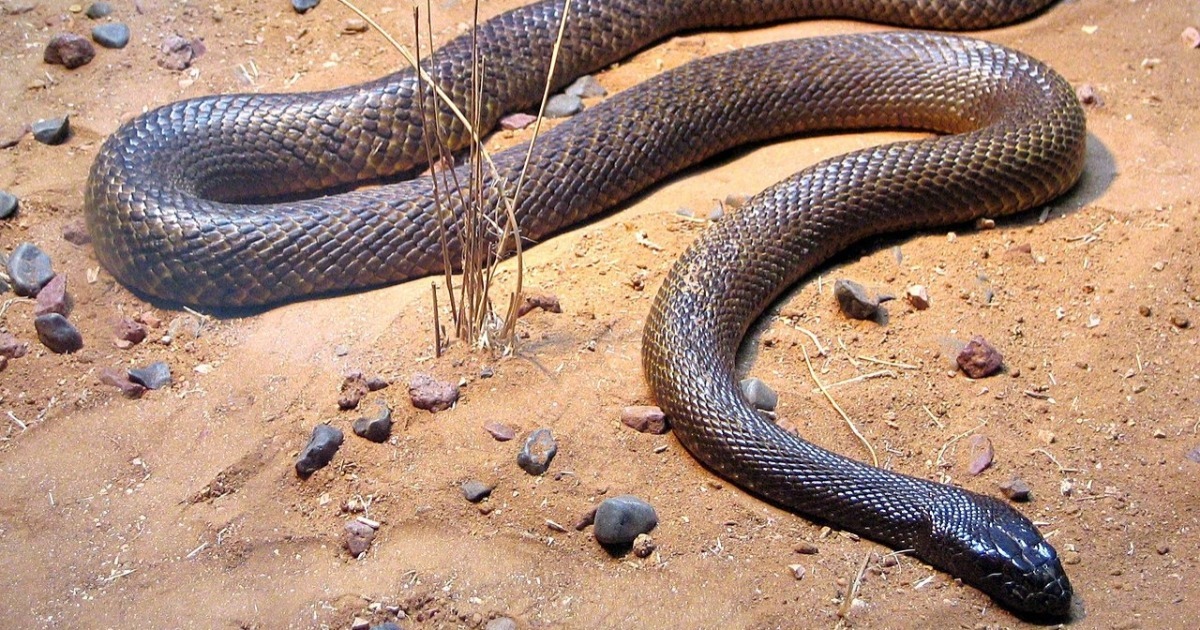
(993, 547)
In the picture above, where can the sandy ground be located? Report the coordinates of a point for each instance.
(181, 509)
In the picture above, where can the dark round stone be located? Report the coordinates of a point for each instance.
(320, 450)
(377, 428)
(8, 204)
(30, 269)
(113, 35)
(619, 520)
(302, 6)
(98, 10)
(51, 130)
(153, 376)
(69, 50)
(57, 333)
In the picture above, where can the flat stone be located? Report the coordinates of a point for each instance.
(980, 455)
(645, 419)
(68, 50)
(501, 623)
(376, 428)
(620, 519)
(113, 35)
(120, 380)
(358, 537)
(512, 122)
(58, 334)
(8, 204)
(759, 394)
(154, 376)
(586, 86)
(538, 451)
(321, 448)
(501, 432)
(854, 301)
(53, 298)
(476, 491)
(563, 106)
(51, 130)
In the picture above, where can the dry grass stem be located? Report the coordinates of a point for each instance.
(895, 364)
(1061, 468)
(859, 378)
(845, 416)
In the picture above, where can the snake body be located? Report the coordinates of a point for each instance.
(165, 205)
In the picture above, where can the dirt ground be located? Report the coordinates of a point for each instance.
(181, 509)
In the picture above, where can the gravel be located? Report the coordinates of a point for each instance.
(586, 86)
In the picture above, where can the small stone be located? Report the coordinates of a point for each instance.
(620, 519)
(69, 50)
(387, 625)
(1180, 322)
(8, 204)
(806, 548)
(476, 491)
(1162, 549)
(51, 130)
(10, 136)
(76, 233)
(1144, 311)
(302, 6)
(537, 453)
(501, 623)
(733, 201)
(98, 10)
(53, 298)
(1193, 455)
(486, 372)
(586, 86)
(643, 546)
(1088, 95)
(563, 105)
(113, 35)
(148, 318)
(358, 623)
(852, 298)
(586, 520)
(797, 570)
(1190, 37)
(354, 388)
(354, 25)
(154, 376)
(1015, 489)
(1046, 436)
(11, 347)
(58, 334)
(501, 432)
(185, 327)
(546, 302)
(759, 394)
(645, 419)
(981, 454)
(177, 53)
(979, 358)
(918, 296)
(513, 122)
(358, 537)
(377, 428)
(120, 380)
(129, 333)
(430, 394)
(321, 448)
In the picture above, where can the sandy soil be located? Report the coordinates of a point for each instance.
(181, 509)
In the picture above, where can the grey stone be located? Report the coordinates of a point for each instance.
(586, 86)
(302, 6)
(377, 428)
(30, 269)
(852, 298)
(321, 448)
(476, 491)
(8, 204)
(98, 10)
(51, 130)
(112, 35)
(563, 105)
(57, 334)
(538, 451)
(759, 394)
(154, 376)
(620, 519)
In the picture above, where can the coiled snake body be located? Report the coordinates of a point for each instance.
(162, 206)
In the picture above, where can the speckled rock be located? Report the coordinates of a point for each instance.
(69, 50)
(538, 451)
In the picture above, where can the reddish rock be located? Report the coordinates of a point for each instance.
(129, 333)
(645, 419)
(979, 358)
(430, 394)
(358, 538)
(120, 380)
(11, 347)
(981, 454)
(53, 298)
(544, 301)
(502, 432)
(69, 50)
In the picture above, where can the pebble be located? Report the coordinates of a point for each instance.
(546, 302)
(798, 571)
(586, 86)
(354, 25)
(8, 204)
(1190, 37)
(563, 105)
(177, 53)
(586, 520)
(1192, 455)
(538, 451)
(68, 50)
(513, 122)
(321, 448)
(53, 298)
(377, 428)
(645, 419)
(358, 538)
(501, 623)
(1181, 322)
(806, 548)
(302, 6)
(355, 387)
(10, 136)
(29, 269)
(852, 298)
(387, 625)
(129, 333)
(112, 35)
(57, 334)
(51, 130)
(979, 359)
(120, 380)
(981, 454)
(98, 10)
(1015, 489)
(643, 546)
(154, 376)
(759, 394)
(501, 432)
(476, 491)
(431, 394)
(918, 296)
(620, 519)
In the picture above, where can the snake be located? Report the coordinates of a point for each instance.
(250, 199)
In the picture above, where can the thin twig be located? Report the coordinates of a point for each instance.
(822, 351)
(845, 416)
(896, 364)
(852, 592)
(860, 377)
(1061, 468)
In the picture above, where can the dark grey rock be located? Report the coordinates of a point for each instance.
(538, 451)
(154, 376)
(98, 10)
(1016, 489)
(979, 358)
(476, 491)
(30, 269)
(563, 105)
(620, 519)
(302, 6)
(69, 50)
(112, 35)
(320, 450)
(854, 301)
(51, 130)
(586, 86)
(8, 204)
(376, 428)
(53, 298)
(57, 334)
(759, 394)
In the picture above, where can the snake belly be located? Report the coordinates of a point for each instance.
(166, 203)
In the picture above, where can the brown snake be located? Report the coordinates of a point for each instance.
(162, 204)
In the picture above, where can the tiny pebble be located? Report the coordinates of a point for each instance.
(302, 6)
(806, 548)
(8, 204)
(68, 50)
(733, 201)
(501, 432)
(1193, 455)
(512, 122)
(98, 10)
(51, 130)
(586, 520)
(113, 35)
(1162, 549)
(797, 570)
(1180, 322)
(358, 623)
(645, 419)
(586, 86)
(76, 233)
(501, 623)
(1190, 37)
(1015, 489)
(563, 105)
(981, 454)
(120, 380)
(1088, 95)
(537, 453)
(57, 334)
(128, 333)
(979, 358)
(475, 490)
(620, 519)
(643, 546)
(918, 296)
(354, 25)
(430, 394)
(319, 451)
(358, 537)
(154, 376)
(759, 394)
(852, 298)
(53, 298)
(376, 428)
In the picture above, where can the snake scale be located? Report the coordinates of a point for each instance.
(167, 203)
